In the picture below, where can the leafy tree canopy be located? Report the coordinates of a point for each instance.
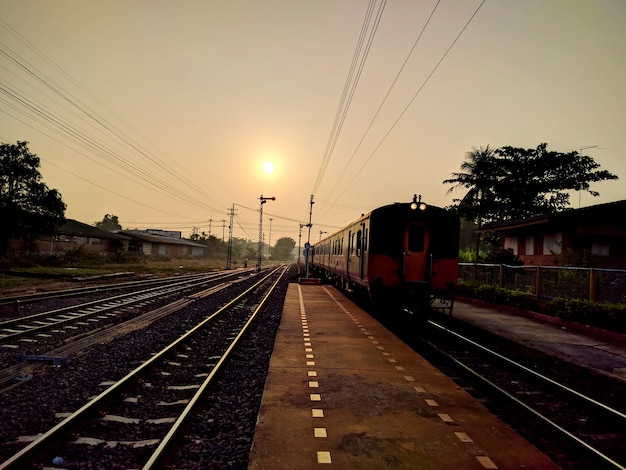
(283, 249)
(513, 183)
(109, 222)
(27, 206)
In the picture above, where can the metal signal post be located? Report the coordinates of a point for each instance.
(259, 253)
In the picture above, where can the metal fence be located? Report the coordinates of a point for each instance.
(548, 282)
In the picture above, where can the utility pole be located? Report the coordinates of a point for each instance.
(259, 251)
(308, 243)
(223, 227)
(300, 244)
(229, 256)
(269, 243)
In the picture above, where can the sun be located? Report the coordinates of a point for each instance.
(268, 167)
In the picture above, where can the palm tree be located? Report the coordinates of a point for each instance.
(479, 174)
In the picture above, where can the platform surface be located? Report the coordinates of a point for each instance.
(592, 348)
(344, 392)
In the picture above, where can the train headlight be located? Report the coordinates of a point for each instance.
(417, 203)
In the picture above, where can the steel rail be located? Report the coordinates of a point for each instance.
(76, 291)
(51, 439)
(105, 334)
(537, 414)
(172, 283)
(162, 453)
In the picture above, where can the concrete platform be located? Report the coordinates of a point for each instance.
(593, 348)
(344, 392)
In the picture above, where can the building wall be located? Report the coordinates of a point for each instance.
(63, 243)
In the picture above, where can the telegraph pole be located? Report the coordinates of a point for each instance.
(300, 244)
(307, 247)
(229, 256)
(269, 243)
(259, 253)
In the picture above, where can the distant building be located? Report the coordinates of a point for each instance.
(165, 233)
(154, 243)
(70, 236)
(597, 230)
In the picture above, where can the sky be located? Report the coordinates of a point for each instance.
(164, 112)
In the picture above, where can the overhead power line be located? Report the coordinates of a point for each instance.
(419, 90)
(359, 58)
(42, 115)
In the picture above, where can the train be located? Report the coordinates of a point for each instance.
(402, 258)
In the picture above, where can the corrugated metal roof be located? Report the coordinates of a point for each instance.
(152, 238)
(617, 207)
(79, 229)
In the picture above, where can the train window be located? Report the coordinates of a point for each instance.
(359, 242)
(416, 238)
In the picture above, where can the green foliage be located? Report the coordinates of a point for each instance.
(283, 249)
(513, 183)
(599, 314)
(109, 222)
(499, 295)
(27, 207)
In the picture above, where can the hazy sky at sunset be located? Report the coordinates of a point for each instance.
(163, 112)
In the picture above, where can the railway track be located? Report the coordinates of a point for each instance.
(30, 337)
(31, 301)
(137, 420)
(577, 418)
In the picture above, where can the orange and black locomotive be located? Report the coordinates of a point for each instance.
(403, 257)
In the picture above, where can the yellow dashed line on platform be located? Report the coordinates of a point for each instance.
(486, 462)
(463, 437)
(323, 457)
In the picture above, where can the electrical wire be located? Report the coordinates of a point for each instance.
(382, 103)
(31, 109)
(430, 75)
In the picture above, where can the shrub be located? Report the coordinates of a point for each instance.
(599, 314)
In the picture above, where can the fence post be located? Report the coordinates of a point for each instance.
(538, 282)
(501, 277)
(593, 284)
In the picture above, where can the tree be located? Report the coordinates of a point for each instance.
(109, 222)
(283, 249)
(479, 175)
(27, 206)
(513, 183)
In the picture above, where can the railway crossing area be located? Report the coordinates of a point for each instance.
(344, 392)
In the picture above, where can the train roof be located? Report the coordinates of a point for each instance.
(382, 209)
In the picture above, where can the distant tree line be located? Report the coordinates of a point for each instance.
(501, 184)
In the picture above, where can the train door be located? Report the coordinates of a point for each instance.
(361, 250)
(416, 242)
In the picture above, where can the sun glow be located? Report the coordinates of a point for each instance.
(268, 167)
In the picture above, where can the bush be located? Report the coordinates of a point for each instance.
(499, 295)
(598, 314)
